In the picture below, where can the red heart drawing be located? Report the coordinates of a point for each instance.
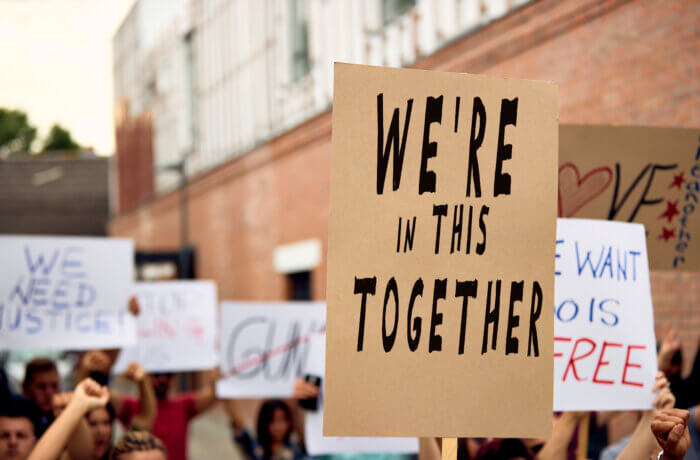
(576, 191)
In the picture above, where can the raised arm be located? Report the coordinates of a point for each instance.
(642, 443)
(669, 346)
(302, 390)
(148, 406)
(80, 444)
(234, 414)
(88, 395)
(206, 396)
(564, 427)
(428, 449)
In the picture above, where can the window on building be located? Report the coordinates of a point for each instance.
(392, 9)
(299, 285)
(301, 62)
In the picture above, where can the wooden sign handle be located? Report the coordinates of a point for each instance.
(582, 444)
(449, 448)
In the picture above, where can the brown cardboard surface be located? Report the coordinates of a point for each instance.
(636, 174)
(386, 388)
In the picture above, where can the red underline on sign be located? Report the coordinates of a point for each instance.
(278, 350)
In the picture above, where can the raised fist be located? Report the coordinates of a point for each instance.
(90, 394)
(670, 428)
(135, 373)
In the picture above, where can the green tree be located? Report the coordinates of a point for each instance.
(16, 134)
(59, 138)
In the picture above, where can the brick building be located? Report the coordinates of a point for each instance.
(258, 220)
(56, 193)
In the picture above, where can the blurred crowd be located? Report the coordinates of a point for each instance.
(44, 422)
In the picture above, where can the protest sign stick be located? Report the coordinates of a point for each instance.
(582, 445)
(449, 448)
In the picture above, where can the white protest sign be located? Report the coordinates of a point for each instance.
(317, 444)
(176, 327)
(604, 343)
(264, 346)
(316, 361)
(65, 292)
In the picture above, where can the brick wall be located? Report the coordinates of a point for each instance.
(616, 62)
(134, 159)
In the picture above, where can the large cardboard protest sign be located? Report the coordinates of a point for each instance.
(264, 346)
(65, 293)
(440, 255)
(604, 344)
(317, 444)
(636, 174)
(176, 327)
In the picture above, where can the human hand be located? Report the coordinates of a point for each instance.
(134, 306)
(304, 389)
(96, 361)
(135, 372)
(90, 395)
(664, 399)
(669, 346)
(670, 428)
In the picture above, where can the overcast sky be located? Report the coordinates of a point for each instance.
(56, 58)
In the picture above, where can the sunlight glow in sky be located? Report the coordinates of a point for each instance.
(56, 60)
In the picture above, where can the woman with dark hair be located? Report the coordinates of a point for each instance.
(101, 424)
(100, 421)
(275, 438)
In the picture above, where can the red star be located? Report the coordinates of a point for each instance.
(671, 210)
(677, 181)
(667, 234)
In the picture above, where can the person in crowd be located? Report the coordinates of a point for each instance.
(693, 452)
(640, 444)
(101, 424)
(139, 445)
(670, 429)
(100, 420)
(670, 358)
(17, 438)
(173, 413)
(555, 448)
(40, 384)
(274, 438)
(6, 396)
(68, 437)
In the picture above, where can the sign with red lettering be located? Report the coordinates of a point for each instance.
(176, 327)
(636, 174)
(604, 343)
(264, 346)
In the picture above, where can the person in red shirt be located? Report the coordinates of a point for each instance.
(173, 414)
